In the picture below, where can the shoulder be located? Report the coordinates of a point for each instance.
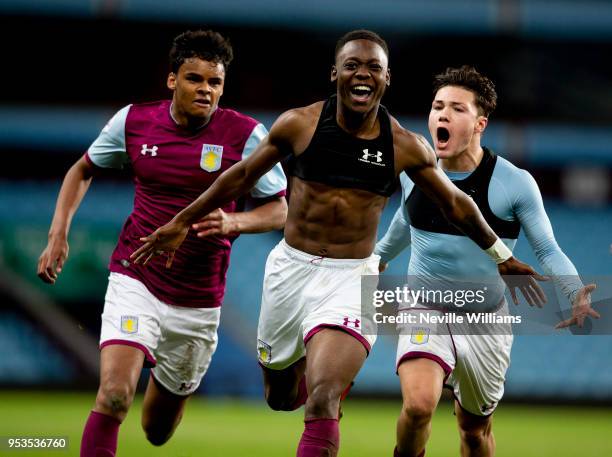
(300, 117)
(517, 183)
(511, 175)
(238, 120)
(151, 107)
(141, 114)
(412, 149)
(297, 122)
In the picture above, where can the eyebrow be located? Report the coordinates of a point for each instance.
(357, 59)
(437, 100)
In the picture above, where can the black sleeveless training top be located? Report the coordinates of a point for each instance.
(425, 214)
(336, 158)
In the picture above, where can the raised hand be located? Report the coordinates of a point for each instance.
(165, 240)
(581, 308)
(519, 275)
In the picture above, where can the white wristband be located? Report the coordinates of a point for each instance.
(499, 252)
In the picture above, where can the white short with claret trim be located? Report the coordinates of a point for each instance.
(178, 341)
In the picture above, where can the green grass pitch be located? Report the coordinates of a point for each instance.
(218, 428)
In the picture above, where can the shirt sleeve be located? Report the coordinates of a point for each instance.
(397, 238)
(529, 209)
(274, 182)
(108, 150)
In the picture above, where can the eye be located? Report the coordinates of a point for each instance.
(350, 65)
(376, 67)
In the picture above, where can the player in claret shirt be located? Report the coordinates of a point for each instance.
(166, 318)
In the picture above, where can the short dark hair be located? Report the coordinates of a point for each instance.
(361, 34)
(469, 78)
(204, 44)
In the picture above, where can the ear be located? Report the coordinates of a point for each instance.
(171, 83)
(334, 73)
(481, 124)
(388, 77)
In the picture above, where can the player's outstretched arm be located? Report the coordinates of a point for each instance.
(75, 185)
(418, 160)
(232, 184)
(264, 218)
(529, 209)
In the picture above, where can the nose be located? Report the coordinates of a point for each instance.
(203, 88)
(362, 72)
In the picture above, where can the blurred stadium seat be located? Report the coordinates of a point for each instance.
(554, 117)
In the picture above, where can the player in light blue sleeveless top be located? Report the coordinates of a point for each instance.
(472, 366)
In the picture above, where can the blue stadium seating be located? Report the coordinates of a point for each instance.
(542, 366)
(28, 357)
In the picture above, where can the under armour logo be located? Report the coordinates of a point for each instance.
(367, 155)
(374, 159)
(152, 151)
(354, 323)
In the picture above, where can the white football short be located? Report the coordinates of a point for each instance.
(303, 294)
(475, 365)
(177, 341)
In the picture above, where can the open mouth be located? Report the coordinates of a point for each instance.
(442, 135)
(361, 92)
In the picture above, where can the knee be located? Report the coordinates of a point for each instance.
(419, 410)
(277, 402)
(157, 437)
(324, 400)
(115, 399)
(475, 437)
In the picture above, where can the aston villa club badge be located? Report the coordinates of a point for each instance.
(211, 157)
(420, 335)
(129, 324)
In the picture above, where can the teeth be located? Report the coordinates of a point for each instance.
(364, 88)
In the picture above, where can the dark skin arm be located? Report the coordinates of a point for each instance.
(270, 215)
(75, 186)
(232, 184)
(414, 155)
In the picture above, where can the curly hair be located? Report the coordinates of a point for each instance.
(204, 44)
(469, 78)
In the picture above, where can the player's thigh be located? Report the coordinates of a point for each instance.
(421, 381)
(336, 302)
(334, 357)
(281, 383)
(120, 367)
(472, 424)
(418, 339)
(279, 331)
(131, 317)
(161, 408)
(478, 380)
(188, 342)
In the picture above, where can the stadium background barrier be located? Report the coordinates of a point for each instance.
(548, 59)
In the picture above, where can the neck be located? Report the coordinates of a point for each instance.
(183, 120)
(359, 124)
(468, 160)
